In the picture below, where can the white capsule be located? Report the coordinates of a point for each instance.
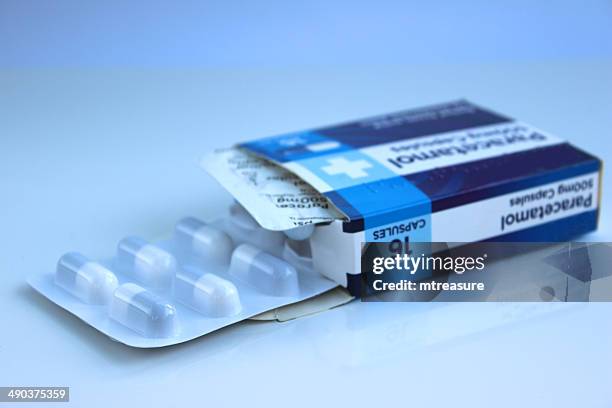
(267, 273)
(87, 280)
(202, 241)
(245, 230)
(146, 263)
(300, 233)
(207, 293)
(143, 311)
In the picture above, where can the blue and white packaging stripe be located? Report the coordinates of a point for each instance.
(387, 169)
(207, 276)
(409, 164)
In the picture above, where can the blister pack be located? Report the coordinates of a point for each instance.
(207, 276)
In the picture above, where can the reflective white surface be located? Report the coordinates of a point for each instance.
(89, 156)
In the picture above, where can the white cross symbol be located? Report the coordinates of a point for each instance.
(291, 141)
(353, 169)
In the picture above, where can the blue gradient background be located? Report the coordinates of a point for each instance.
(105, 108)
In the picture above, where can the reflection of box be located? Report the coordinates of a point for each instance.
(451, 172)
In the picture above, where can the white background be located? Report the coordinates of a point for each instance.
(104, 113)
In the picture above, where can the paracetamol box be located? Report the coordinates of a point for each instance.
(453, 172)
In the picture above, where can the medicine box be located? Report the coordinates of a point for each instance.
(453, 172)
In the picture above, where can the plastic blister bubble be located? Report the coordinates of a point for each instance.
(203, 242)
(244, 230)
(207, 293)
(143, 311)
(146, 263)
(89, 281)
(265, 272)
